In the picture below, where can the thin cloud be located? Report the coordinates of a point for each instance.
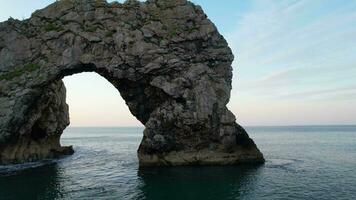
(275, 36)
(323, 93)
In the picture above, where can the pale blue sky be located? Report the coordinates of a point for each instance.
(295, 63)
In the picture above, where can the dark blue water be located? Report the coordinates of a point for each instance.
(317, 162)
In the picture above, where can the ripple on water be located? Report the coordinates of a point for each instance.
(107, 168)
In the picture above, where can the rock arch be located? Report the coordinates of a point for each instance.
(168, 61)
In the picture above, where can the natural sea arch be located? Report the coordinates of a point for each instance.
(165, 57)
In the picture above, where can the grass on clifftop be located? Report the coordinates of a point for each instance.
(19, 71)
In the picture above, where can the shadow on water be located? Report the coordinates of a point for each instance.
(32, 183)
(212, 182)
(52, 181)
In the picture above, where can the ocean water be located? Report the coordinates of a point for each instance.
(305, 162)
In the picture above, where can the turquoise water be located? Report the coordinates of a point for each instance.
(311, 162)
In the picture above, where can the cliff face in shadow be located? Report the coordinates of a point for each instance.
(165, 57)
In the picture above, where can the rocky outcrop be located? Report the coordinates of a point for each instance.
(165, 57)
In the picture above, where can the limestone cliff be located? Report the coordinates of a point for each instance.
(165, 57)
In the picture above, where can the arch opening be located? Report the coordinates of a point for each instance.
(94, 102)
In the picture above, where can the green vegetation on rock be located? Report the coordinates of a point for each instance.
(110, 33)
(19, 71)
(91, 28)
(51, 27)
(173, 33)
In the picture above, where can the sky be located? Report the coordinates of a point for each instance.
(295, 63)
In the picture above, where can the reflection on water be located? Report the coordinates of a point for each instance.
(42, 182)
(228, 182)
(50, 181)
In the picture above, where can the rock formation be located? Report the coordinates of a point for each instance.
(167, 60)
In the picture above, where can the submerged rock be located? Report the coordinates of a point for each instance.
(165, 57)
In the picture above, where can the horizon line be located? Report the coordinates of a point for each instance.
(242, 126)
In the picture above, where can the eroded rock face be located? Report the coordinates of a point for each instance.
(165, 57)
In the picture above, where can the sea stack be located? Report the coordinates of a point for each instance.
(165, 57)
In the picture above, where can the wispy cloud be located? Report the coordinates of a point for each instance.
(295, 45)
(344, 92)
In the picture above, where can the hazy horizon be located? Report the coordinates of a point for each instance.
(294, 64)
(310, 125)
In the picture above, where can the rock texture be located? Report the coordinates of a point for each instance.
(165, 57)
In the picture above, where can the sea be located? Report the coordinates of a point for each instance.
(302, 162)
